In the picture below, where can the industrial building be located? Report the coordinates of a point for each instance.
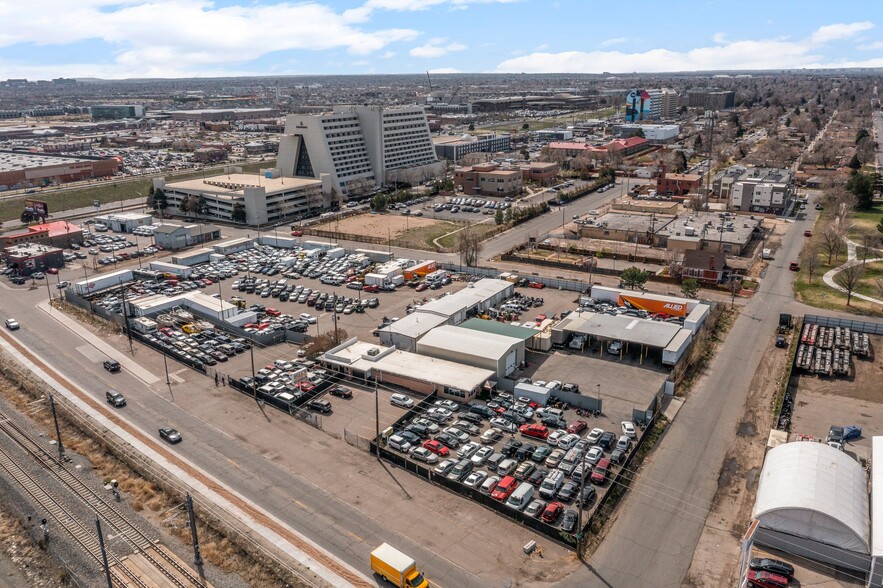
(216, 114)
(116, 111)
(417, 373)
(55, 233)
(452, 309)
(655, 134)
(173, 237)
(25, 170)
(262, 199)
(755, 189)
(453, 148)
(488, 179)
(480, 349)
(196, 301)
(355, 149)
(124, 222)
(33, 257)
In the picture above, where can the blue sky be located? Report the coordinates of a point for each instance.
(181, 38)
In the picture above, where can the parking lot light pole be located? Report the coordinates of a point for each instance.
(579, 510)
(599, 388)
(48, 289)
(376, 416)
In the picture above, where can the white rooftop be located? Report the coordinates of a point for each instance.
(468, 342)
(416, 324)
(477, 293)
(624, 328)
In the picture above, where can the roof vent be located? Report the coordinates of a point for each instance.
(374, 352)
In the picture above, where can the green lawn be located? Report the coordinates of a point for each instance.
(104, 192)
(820, 295)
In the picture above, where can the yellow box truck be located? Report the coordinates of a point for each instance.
(396, 567)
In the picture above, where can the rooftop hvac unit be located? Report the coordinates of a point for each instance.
(374, 351)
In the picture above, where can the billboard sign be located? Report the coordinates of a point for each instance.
(37, 208)
(653, 306)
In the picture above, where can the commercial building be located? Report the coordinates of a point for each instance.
(196, 301)
(672, 184)
(543, 173)
(488, 179)
(755, 189)
(554, 135)
(705, 231)
(711, 99)
(490, 351)
(355, 149)
(656, 134)
(602, 151)
(664, 103)
(249, 198)
(23, 170)
(417, 373)
(124, 222)
(56, 233)
(173, 237)
(453, 148)
(116, 111)
(33, 257)
(216, 114)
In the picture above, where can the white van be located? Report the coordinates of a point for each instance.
(550, 486)
(521, 497)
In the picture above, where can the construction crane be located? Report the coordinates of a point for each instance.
(430, 82)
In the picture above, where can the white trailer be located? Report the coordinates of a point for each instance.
(538, 394)
(181, 271)
(99, 283)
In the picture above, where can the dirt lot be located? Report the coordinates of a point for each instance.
(819, 403)
(378, 225)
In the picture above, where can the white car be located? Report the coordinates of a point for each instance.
(594, 454)
(437, 410)
(568, 441)
(594, 435)
(491, 435)
(401, 400)
(448, 404)
(305, 316)
(614, 347)
(12, 324)
(430, 426)
(489, 485)
(628, 429)
(504, 424)
(424, 455)
(461, 436)
(468, 450)
(482, 455)
(556, 436)
(475, 479)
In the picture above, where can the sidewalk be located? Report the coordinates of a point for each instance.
(851, 259)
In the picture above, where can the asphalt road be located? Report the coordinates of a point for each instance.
(655, 534)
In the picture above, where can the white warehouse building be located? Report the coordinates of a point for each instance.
(498, 353)
(355, 149)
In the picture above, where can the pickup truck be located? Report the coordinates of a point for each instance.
(397, 568)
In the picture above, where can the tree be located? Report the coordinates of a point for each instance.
(187, 204)
(849, 279)
(525, 154)
(469, 246)
(679, 162)
(674, 260)
(832, 240)
(862, 185)
(690, 287)
(379, 202)
(809, 259)
(641, 134)
(697, 143)
(865, 150)
(238, 214)
(471, 126)
(854, 163)
(634, 277)
(498, 216)
(201, 205)
(160, 202)
(880, 226)
(862, 133)
(525, 127)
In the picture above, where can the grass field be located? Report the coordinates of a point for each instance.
(820, 295)
(450, 241)
(422, 237)
(107, 193)
(864, 222)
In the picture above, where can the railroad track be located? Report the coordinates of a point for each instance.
(165, 562)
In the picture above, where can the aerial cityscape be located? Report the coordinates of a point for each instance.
(448, 293)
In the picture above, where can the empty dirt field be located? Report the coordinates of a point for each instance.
(402, 231)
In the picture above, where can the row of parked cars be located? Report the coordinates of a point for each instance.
(463, 204)
(607, 307)
(539, 474)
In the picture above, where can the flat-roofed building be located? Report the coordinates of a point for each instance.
(755, 189)
(488, 179)
(453, 148)
(28, 258)
(173, 236)
(542, 172)
(490, 351)
(20, 170)
(257, 198)
(116, 111)
(55, 233)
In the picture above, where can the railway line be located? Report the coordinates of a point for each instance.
(171, 571)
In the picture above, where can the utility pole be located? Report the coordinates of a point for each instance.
(57, 429)
(48, 289)
(103, 552)
(709, 114)
(579, 510)
(376, 416)
(254, 384)
(165, 363)
(197, 556)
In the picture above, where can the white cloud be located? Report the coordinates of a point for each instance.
(445, 70)
(875, 46)
(186, 37)
(719, 38)
(726, 55)
(387, 55)
(835, 32)
(614, 41)
(542, 47)
(363, 12)
(436, 48)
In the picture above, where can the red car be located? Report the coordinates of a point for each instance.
(52, 271)
(534, 430)
(766, 579)
(537, 285)
(577, 427)
(297, 233)
(599, 473)
(807, 233)
(436, 447)
(422, 286)
(552, 512)
(794, 267)
(506, 487)
(272, 312)
(371, 288)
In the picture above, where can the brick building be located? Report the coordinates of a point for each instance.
(56, 234)
(488, 180)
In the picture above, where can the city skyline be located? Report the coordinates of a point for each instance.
(117, 39)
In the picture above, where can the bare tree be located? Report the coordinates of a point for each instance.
(832, 240)
(865, 149)
(469, 246)
(849, 279)
(473, 159)
(674, 260)
(614, 155)
(809, 258)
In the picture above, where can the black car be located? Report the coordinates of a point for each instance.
(112, 366)
(419, 430)
(835, 434)
(555, 422)
(569, 521)
(320, 405)
(587, 496)
(18, 280)
(410, 436)
(472, 418)
(448, 441)
(568, 491)
(341, 392)
(510, 447)
(482, 410)
(115, 398)
(513, 416)
(536, 478)
(774, 566)
(171, 435)
(607, 440)
(525, 452)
